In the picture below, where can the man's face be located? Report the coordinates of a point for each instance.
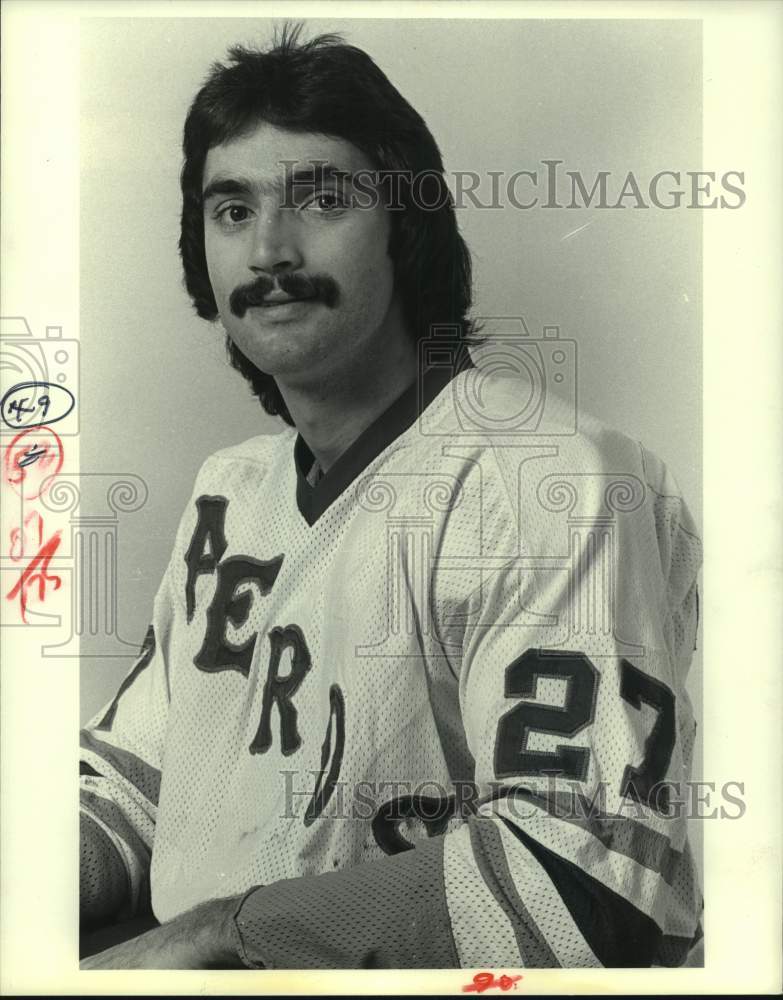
(311, 277)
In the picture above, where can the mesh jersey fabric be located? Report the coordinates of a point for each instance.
(103, 878)
(514, 615)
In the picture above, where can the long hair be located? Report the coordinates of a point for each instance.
(326, 86)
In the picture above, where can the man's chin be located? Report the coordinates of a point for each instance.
(275, 350)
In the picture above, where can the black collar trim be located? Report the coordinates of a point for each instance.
(394, 421)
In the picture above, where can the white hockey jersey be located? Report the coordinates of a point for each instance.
(429, 712)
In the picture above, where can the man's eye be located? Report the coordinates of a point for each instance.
(327, 201)
(233, 215)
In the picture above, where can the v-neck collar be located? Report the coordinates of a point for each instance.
(312, 501)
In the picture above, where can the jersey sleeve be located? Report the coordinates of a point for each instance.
(121, 750)
(575, 708)
(574, 853)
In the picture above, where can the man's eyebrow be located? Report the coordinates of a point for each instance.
(222, 185)
(315, 172)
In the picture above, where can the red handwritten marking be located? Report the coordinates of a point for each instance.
(34, 457)
(36, 571)
(486, 981)
(21, 540)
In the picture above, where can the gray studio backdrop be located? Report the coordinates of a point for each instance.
(156, 393)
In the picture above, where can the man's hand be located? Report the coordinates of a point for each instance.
(202, 938)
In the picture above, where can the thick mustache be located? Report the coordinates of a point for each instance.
(320, 287)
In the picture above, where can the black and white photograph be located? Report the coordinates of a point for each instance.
(364, 518)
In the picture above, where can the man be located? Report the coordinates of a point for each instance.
(413, 692)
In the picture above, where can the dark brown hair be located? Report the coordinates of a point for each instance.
(326, 86)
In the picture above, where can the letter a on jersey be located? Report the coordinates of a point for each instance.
(229, 603)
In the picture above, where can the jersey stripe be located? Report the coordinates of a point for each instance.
(483, 934)
(620, 935)
(676, 951)
(104, 883)
(112, 817)
(140, 774)
(128, 844)
(546, 905)
(641, 844)
(639, 886)
(491, 860)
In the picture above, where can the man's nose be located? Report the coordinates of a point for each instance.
(275, 247)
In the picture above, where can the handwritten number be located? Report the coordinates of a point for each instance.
(36, 572)
(486, 981)
(19, 408)
(41, 397)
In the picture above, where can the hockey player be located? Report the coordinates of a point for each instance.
(413, 694)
